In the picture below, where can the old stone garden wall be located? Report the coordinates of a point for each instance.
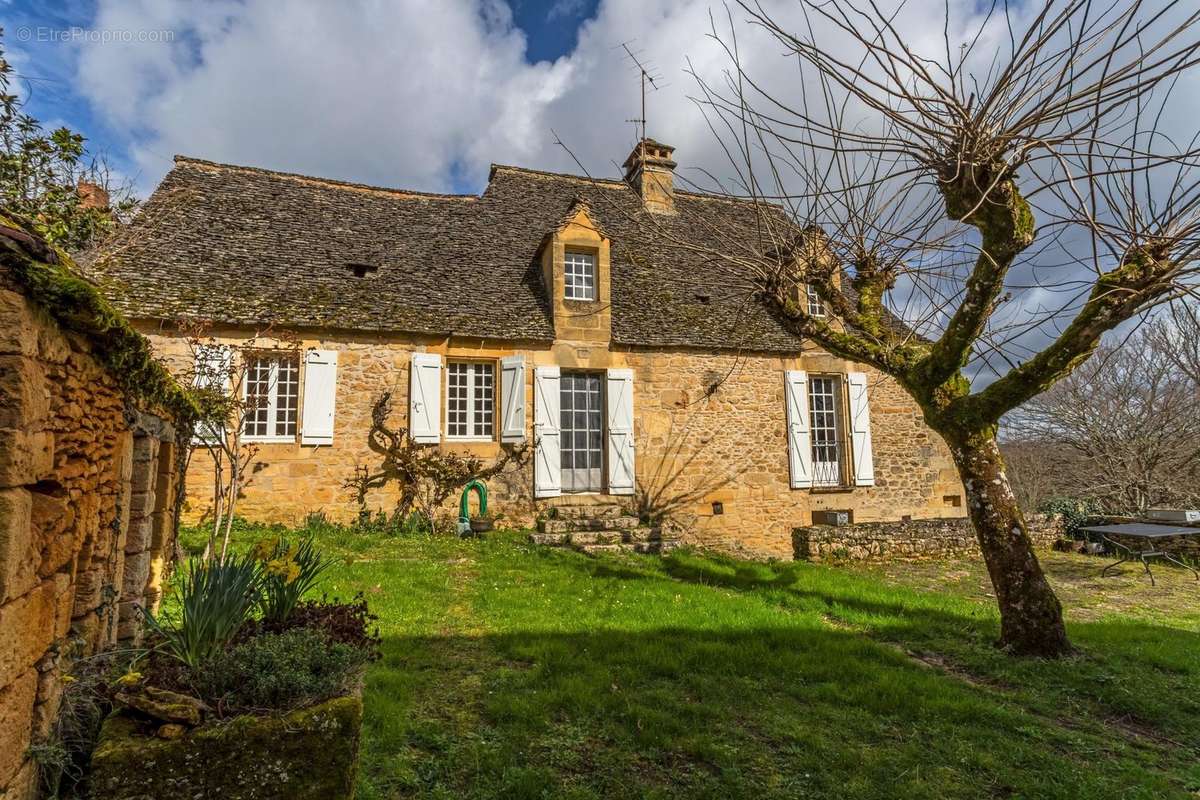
(86, 496)
(917, 538)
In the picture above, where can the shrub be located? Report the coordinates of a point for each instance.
(278, 671)
(1075, 513)
(215, 601)
(347, 623)
(288, 572)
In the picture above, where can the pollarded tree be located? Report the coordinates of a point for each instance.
(1009, 194)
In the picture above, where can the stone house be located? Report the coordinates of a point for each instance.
(552, 309)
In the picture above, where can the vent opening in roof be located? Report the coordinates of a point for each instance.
(362, 270)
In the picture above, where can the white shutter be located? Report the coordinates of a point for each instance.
(620, 431)
(860, 429)
(424, 393)
(213, 364)
(512, 401)
(799, 434)
(547, 463)
(320, 396)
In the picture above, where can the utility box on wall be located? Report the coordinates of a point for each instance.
(832, 517)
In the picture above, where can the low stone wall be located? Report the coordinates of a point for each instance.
(921, 538)
(87, 488)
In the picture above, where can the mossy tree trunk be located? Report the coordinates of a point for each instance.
(1031, 621)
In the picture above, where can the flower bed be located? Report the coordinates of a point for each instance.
(247, 691)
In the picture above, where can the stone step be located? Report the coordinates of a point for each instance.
(586, 524)
(595, 537)
(586, 511)
(550, 539)
(643, 534)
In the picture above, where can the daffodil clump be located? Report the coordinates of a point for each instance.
(288, 571)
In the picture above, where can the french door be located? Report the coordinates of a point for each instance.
(581, 397)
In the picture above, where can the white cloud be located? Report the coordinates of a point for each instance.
(427, 94)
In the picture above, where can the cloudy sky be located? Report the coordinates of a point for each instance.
(426, 94)
(416, 93)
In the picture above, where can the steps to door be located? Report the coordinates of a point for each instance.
(600, 529)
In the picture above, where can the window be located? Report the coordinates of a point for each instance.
(470, 400)
(579, 270)
(816, 308)
(271, 390)
(824, 406)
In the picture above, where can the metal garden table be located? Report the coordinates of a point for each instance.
(1148, 536)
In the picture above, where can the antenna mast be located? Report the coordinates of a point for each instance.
(647, 76)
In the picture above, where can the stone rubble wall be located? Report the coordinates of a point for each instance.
(919, 538)
(86, 519)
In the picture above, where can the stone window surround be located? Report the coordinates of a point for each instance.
(471, 363)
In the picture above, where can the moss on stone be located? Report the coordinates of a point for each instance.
(78, 307)
(310, 754)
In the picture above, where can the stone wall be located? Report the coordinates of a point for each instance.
(918, 538)
(709, 429)
(86, 520)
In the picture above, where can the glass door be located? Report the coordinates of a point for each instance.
(582, 407)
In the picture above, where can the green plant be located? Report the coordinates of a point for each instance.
(215, 600)
(289, 570)
(278, 671)
(1074, 513)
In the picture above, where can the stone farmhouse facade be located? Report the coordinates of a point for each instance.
(553, 309)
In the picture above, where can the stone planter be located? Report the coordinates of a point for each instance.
(310, 754)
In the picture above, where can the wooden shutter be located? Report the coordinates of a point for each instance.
(212, 371)
(512, 400)
(424, 398)
(860, 429)
(799, 434)
(547, 433)
(619, 402)
(320, 396)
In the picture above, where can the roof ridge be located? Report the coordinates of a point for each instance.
(613, 182)
(182, 159)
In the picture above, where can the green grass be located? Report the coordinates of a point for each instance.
(511, 671)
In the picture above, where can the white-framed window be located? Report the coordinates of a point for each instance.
(271, 390)
(470, 399)
(579, 271)
(816, 308)
(824, 408)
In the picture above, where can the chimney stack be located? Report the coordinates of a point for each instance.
(651, 172)
(92, 195)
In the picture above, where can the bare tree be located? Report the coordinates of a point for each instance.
(230, 392)
(975, 217)
(1122, 430)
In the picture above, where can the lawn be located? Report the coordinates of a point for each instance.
(512, 671)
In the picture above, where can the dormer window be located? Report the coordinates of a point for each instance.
(579, 271)
(815, 307)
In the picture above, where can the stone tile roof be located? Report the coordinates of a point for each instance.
(251, 246)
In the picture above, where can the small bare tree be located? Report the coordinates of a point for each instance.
(974, 216)
(229, 394)
(1122, 430)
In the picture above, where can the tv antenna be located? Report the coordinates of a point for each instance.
(648, 76)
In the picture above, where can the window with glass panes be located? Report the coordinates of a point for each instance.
(271, 390)
(815, 307)
(824, 407)
(470, 399)
(579, 270)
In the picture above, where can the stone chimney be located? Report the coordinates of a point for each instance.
(651, 171)
(92, 195)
